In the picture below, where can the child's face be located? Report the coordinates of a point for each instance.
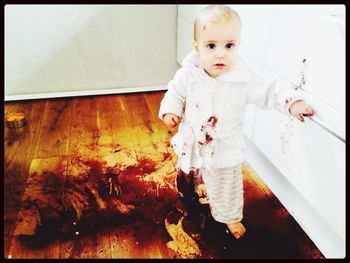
(217, 46)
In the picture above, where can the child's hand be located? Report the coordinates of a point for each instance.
(300, 107)
(171, 120)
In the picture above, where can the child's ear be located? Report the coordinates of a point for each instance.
(195, 46)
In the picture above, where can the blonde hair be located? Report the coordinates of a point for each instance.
(215, 13)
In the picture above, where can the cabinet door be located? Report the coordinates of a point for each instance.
(307, 42)
(310, 157)
(256, 23)
(184, 38)
(185, 21)
(190, 11)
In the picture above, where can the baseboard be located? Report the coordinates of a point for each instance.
(319, 231)
(83, 93)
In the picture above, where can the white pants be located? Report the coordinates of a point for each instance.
(225, 192)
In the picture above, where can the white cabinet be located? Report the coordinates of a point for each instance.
(295, 43)
(311, 158)
(256, 23)
(316, 162)
(184, 38)
(189, 11)
(185, 21)
(308, 156)
(316, 34)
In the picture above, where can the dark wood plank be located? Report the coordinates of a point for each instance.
(112, 119)
(53, 139)
(148, 144)
(94, 245)
(92, 139)
(115, 135)
(254, 178)
(84, 135)
(153, 100)
(126, 245)
(35, 191)
(140, 119)
(19, 146)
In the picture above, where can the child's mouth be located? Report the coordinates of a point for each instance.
(219, 65)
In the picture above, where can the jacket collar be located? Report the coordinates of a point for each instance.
(240, 72)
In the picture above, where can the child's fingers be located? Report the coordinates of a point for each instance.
(170, 123)
(300, 117)
(177, 119)
(174, 120)
(309, 111)
(171, 120)
(174, 123)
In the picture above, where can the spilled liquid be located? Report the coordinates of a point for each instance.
(120, 197)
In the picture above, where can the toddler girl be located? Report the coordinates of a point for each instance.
(207, 98)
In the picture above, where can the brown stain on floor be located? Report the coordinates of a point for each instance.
(136, 171)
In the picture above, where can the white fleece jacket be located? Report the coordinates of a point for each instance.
(212, 111)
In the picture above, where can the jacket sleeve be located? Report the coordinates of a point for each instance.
(270, 92)
(175, 98)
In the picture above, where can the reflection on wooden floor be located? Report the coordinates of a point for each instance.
(93, 177)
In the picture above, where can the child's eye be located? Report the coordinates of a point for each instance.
(211, 46)
(230, 45)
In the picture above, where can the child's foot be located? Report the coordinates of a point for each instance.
(237, 229)
(201, 190)
(202, 193)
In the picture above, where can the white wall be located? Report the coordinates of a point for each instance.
(62, 48)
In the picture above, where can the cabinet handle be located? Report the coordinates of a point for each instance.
(312, 118)
(321, 124)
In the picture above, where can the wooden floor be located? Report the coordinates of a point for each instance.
(121, 134)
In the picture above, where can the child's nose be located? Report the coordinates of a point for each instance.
(221, 53)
